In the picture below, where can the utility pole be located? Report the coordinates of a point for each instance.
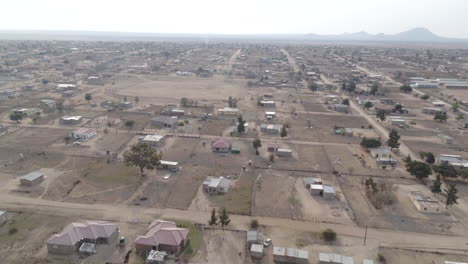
(365, 236)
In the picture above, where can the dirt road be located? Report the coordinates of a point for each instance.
(123, 213)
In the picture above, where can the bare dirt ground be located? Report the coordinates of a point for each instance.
(222, 247)
(284, 204)
(191, 87)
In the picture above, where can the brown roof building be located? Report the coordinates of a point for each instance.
(162, 236)
(73, 235)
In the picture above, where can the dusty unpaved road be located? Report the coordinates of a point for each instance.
(129, 214)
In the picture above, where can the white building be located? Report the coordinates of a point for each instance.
(83, 134)
(3, 217)
(329, 258)
(152, 140)
(217, 185)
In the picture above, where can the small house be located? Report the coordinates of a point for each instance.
(70, 120)
(367, 261)
(342, 108)
(228, 111)
(328, 192)
(69, 93)
(168, 165)
(284, 152)
(235, 149)
(217, 185)
(32, 179)
(271, 129)
(397, 121)
(164, 122)
(47, 104)
(383, 156)
(163, 236)
(268, 103)
(95, 80)
(254, 237)
(152, 140)
(256, 251)
(438, 104)
(425, 204)
(316, 189)
(270, 115)
(432, 110)
(74, 235)
(83, 134)
(220, 145)
(3, 217)
(308, 181)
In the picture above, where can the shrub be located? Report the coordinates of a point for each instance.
(12, 231)
(254, 224)
(329, 235)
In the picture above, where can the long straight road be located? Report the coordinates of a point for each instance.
(123, 213)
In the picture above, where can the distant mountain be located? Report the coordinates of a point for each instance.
(412, 35)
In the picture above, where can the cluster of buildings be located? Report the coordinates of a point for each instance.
(316, 187)
(447, 83)
(162, 239)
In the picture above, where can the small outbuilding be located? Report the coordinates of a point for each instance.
(32, 179)
(284, 152)
(3, 217)
(168, 165)
(256, 251)
(328, 192)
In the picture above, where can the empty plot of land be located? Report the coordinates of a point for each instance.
(216, 88)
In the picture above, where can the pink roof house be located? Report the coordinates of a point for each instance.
(73, 235)
(162, 236)
(220, 145)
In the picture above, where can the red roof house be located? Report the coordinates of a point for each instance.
(162, 236)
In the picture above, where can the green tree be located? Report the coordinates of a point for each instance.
(257, 143)
(352, 87)
(374, 89)
(16, 116)
(137, 99)
(45, 81)
(428, 157)
(345, 101)
(143, 156)
(224, 218)
(59, 106)
(418, 169)
(446, 170)
(284, 131)
(254, 224)
(343, 87)
(329, 235)
(406, 89)
(313, 86)
(213, 219)
(425, 97)
(441, 116)
(129, 124)
(240, 124)
(381, 115)
(184, 101)
(88, 97)
(451, 195)
(436, 185)
(393, 139)
(455, 107)
(370, 143)
(398, 108)
(368, 105)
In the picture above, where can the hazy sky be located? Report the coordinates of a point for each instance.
(444, 17)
